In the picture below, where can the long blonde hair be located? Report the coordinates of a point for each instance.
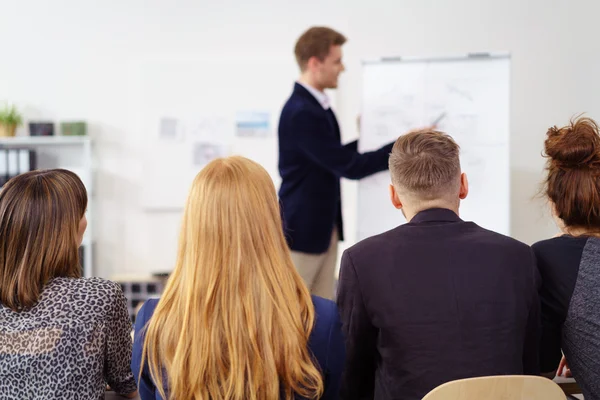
(235, 317)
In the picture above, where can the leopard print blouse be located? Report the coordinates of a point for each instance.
(70, 345)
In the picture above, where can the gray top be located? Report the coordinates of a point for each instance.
(581, 331)
(570, 296)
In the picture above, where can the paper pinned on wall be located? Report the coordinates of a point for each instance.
(205, 152)
(170, 129)
(252, 124)
(214, 129)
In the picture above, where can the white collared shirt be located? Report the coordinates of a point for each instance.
(321, 97)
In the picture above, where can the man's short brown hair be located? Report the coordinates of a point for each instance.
(426, 163)
(316, 42)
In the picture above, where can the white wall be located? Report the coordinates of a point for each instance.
(72, 59)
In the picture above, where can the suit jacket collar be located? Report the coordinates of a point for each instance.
(300, 90)
(436, 215)
(321, 97)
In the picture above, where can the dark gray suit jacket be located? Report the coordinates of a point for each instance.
(435, 300)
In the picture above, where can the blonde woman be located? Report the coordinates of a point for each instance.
(236, 320)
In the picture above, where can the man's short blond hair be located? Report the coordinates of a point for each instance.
(426, 164)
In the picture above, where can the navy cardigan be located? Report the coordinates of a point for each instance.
(326, 344)
(312, 160)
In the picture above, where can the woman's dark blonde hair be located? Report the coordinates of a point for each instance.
(40, 212)
(235, 317)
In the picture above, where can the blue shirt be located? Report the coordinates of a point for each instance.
(325, 342)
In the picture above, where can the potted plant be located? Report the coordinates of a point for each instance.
(10, 119)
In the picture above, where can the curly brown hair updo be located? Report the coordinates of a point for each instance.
(573, 167)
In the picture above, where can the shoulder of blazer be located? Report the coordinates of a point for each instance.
(304, 109)
(304, 96)
(372, 244)
(300, 103)
(324, 309)
(147, 309)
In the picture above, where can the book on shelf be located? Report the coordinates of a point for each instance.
(16, 161)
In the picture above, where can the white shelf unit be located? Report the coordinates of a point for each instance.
(69, 152)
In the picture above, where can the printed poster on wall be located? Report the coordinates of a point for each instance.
(252, 124)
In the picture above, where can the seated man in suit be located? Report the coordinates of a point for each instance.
(438, 298)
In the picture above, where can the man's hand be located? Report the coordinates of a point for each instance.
(564, 365)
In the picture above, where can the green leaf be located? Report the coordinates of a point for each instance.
(9, 115)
